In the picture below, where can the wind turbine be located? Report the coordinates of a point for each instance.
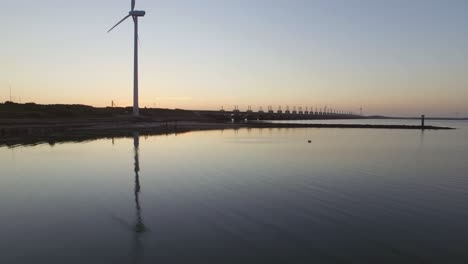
(135, 14)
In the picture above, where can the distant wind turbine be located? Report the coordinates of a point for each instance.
(134, 14)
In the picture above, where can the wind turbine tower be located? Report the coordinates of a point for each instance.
(135, 14)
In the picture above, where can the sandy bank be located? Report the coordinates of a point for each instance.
(12, 133)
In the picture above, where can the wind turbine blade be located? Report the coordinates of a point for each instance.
(133, 5)
(122, 222)
(118, 23)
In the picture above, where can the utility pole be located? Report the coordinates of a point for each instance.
(10, 91)
(422, 122)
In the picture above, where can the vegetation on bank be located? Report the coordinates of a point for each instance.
(10, 110)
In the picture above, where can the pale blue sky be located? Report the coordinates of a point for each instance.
(391, 57)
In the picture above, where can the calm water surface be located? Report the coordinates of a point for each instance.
(246, 196)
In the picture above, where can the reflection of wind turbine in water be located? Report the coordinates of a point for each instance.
(139, 226)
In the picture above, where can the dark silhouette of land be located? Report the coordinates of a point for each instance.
(37, 112)
(33, 123)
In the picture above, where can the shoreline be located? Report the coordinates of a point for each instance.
(56, 131)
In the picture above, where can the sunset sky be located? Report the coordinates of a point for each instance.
(394, 57)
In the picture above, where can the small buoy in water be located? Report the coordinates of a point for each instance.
(310, 141)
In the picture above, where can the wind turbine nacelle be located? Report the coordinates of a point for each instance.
(137, 13)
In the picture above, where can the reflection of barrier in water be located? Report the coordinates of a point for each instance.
(421, 141)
